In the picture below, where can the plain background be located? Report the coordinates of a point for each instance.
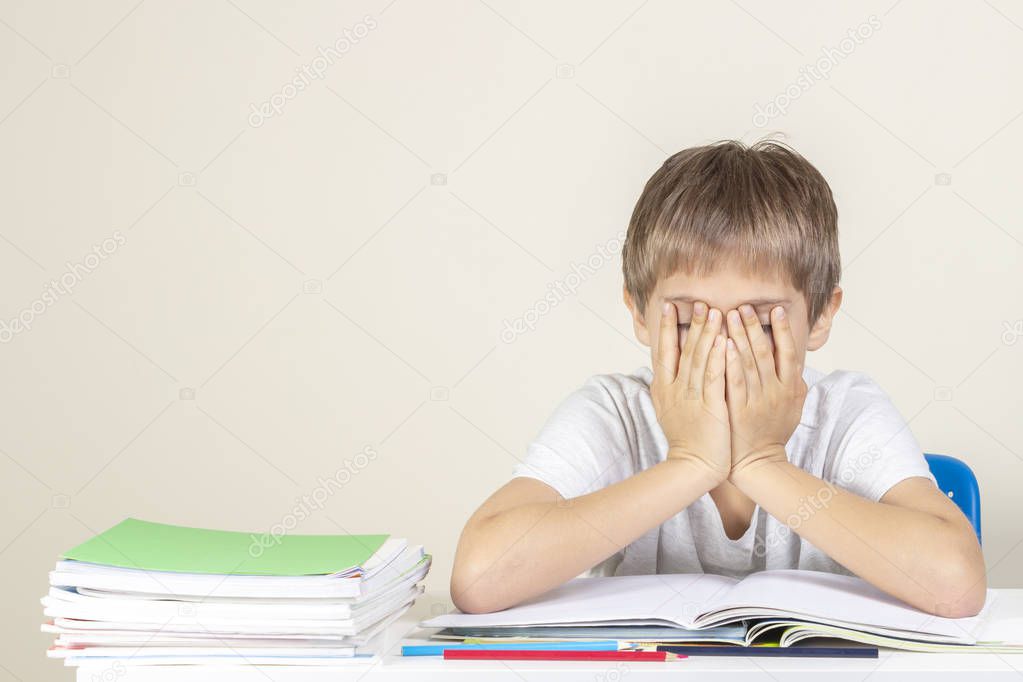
(284, 292)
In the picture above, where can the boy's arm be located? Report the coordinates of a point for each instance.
(914, 543)
(527, 539)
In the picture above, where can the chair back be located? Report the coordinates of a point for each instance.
(957, 481)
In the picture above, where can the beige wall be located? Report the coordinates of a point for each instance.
(277, 293)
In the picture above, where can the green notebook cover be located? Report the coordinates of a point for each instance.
(161, 547)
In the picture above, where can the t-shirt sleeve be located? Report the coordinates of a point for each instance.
(584, 445)
(873, 447)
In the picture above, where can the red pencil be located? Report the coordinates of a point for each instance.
(554, 655)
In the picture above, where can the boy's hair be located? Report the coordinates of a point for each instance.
(764, 209)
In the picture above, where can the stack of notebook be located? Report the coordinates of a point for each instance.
(149, 594)
(779, 609)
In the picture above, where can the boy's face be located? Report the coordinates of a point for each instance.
(727, 289)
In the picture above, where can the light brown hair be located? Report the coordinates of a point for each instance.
(762, 208)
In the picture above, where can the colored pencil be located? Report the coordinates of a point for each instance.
(782, 652)
(538, 655)
(439, 649)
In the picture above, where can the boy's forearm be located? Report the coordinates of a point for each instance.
(913, 555)
(527, 550)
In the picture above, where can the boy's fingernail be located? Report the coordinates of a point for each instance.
(781, 313)
(714, 314)
(666, 308)
(699, 308)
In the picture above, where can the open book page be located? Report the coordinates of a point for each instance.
(726, 634)
(636, 599)
(806, 631)
(837, 600)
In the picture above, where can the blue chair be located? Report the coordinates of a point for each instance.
(957, 481)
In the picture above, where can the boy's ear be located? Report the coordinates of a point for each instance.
(638, 319)
(822, 327)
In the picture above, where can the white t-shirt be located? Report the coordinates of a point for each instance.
(850, 434)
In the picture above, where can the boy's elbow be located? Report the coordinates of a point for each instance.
(468, 594)
(468, 603)
(962, 586)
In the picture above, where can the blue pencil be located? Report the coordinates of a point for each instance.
(438, 649)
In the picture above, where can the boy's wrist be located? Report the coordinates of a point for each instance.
(694, 468)
(754, 464)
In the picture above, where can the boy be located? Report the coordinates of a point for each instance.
(730, 456)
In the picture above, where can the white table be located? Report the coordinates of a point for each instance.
(896, 666)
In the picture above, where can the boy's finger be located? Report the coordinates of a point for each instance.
(696, 323)
(744, 354)
(735, 378)
(700, 357)
(667, 344)
(714, 376)
(759, 343)
(785, 346)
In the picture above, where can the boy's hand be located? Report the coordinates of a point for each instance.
(688, 389)
(766, 390)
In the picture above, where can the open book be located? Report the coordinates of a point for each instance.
(792, 605)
